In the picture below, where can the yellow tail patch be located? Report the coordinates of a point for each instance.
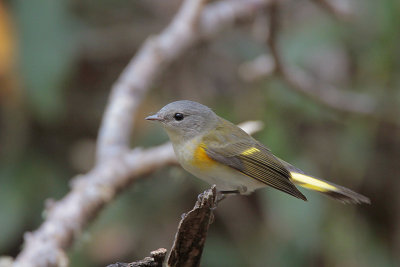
(311, 183)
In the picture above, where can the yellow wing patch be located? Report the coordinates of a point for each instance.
(250, 151)
(311, 183)
(201, 159)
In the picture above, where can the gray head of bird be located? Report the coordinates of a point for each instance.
(185, 119)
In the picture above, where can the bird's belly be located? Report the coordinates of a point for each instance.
(225, 178)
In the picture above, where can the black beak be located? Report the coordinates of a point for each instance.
(154, 117)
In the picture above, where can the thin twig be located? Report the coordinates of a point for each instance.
(325, 94)
(300, 81)
(156, 259)
(273, 13)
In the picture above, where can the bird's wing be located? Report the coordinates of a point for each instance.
(240, 151)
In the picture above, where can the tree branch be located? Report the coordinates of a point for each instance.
(298, 80)
(189, 239)
(66, 219)
(192, 231)
(156, 259)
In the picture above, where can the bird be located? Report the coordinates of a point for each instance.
(219, 152)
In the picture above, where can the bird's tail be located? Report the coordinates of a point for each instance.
(332, 190)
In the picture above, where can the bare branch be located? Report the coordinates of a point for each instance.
(156, 259)
(328, 95)
(223, 14)
(257, 69)
(273, 13)
(192, 231)
(66, 219)
(6, 261)
(189, 238)
(251, 127)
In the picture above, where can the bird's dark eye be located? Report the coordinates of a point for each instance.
(178, 116)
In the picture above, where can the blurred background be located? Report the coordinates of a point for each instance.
(58, 60)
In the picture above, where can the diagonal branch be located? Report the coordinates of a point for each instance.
(152, 58)
(156, 259)
(66, 219)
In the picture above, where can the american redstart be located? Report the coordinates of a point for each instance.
(220, 153)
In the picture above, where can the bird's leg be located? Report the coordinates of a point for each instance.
(230, 192)
(221, 195)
